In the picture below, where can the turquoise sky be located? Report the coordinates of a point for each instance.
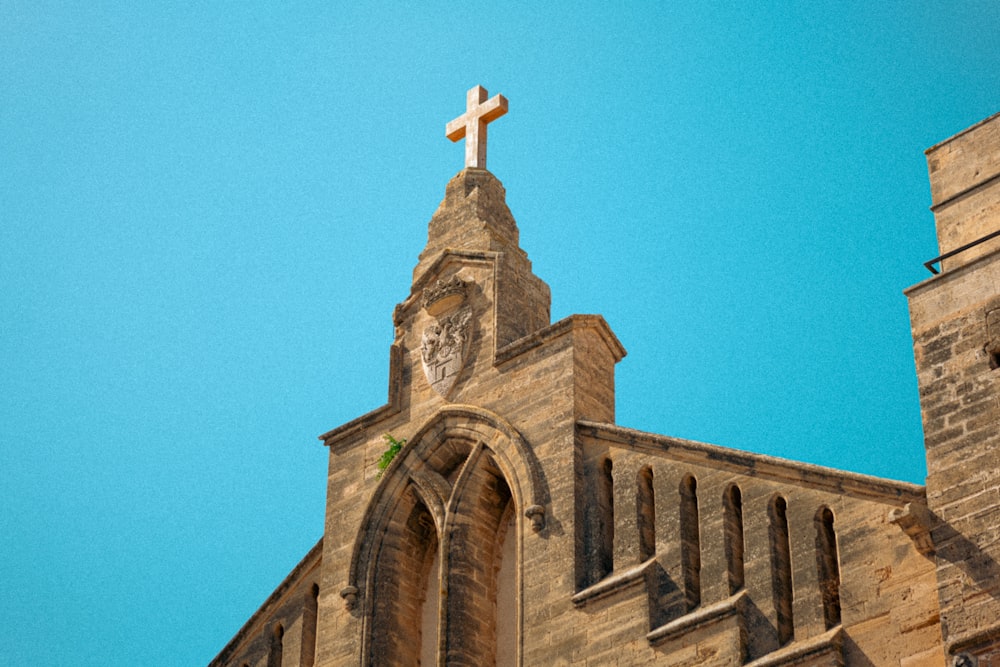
(209, 210)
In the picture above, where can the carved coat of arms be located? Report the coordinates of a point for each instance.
(444, 344)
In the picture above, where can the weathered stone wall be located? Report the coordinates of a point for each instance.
(955, 318)
(965, 189)
(886, 587)
(955, 347)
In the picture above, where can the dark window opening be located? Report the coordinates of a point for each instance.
(828, 567)
(733, 510)
(606, 519)
(781, 569)
(646, 515)
(690, 542)
(275, 650)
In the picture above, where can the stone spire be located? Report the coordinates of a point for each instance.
(473, 225)
(473, 215)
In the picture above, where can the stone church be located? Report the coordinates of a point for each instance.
(517, 524)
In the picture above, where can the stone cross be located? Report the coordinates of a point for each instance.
(472, 124)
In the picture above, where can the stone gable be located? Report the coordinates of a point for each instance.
(519, 525)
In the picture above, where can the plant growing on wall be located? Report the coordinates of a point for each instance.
(389, 454)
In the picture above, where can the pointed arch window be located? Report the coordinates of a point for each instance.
(438, 554)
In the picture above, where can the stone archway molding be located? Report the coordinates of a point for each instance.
(410, 472)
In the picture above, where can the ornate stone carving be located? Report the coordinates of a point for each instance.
(916, 521)
(444, 295)
(536, 513)
(350, 595)
(444, 344)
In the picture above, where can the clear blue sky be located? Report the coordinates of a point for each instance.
(209, 210)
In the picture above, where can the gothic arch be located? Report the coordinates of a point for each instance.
(458, 457)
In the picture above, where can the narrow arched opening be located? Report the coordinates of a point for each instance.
(310, 609)
(469, 477)
(690, 542)
(276, 647)
(606, 521)
(732, 503)
(828, 567)
(646, 514)
(781, 569)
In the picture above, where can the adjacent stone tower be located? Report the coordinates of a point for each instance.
(956, 339)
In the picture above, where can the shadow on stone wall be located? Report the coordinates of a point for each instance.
(966, 555)
(666, 599)
(853, 655)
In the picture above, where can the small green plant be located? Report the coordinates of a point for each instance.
(389, 454)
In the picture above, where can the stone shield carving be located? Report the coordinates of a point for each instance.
(444, 345)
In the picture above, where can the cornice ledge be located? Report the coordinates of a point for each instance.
(365, 421)
(558, 329)
(759, 465)
(370, 419)
(698, 618)
(615, 583)
(830, 642)
(953, 273)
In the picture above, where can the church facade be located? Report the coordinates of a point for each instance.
(492, 512)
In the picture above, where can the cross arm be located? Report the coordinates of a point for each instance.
(455, 129)
(486, 112)
(493, 108)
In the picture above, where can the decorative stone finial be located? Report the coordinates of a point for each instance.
(472, 124)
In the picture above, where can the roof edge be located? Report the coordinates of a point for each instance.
(308, 561)
(761, 465)
(561, 328)
(961, 132)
